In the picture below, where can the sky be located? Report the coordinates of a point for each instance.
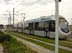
(33, 9)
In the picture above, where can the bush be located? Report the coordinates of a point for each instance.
(4, 37)
(1, 33)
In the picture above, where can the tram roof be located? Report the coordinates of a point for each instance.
(43, 18)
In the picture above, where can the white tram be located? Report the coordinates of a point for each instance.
(45, 26)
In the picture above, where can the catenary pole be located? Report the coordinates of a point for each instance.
(13, 16)
(23, 14)
(9, 18)
(24, 20)
(56, 26)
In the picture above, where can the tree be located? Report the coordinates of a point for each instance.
(1, 26)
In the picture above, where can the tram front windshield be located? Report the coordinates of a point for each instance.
(63, 25)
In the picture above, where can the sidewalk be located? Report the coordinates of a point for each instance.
(1, 49)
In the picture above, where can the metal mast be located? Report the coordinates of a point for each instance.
(13, 15)
(9, 18)
(56, 26)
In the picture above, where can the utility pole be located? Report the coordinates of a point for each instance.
(56, 26)
(23, 20)
(71, 24)
(23, 14)
(9, 18)
(13, 16)
(33, 28)
(71, 21)
(9, 21)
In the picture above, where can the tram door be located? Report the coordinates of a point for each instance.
(49, 27)
(30, 28)
(46, 26)
(52, 26)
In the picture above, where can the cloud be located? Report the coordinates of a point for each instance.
(32, 2)
(26, 2)
(34, 8)
(7, 1)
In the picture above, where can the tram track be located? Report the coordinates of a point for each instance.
(65, 43)
(62, 47)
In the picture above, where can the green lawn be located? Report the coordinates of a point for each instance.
(71, 28)
(41, 44)
(11, 45)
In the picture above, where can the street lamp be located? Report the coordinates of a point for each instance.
(14, 16)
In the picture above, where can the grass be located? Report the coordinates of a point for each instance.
(71, 28)
(1, 33)
(66, 43)
(14, 46)
(43, 45)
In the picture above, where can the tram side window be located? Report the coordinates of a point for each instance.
(36, 25)
(52, 26)
(26, 28)
(46, 24)
(31, 26)
(41, 26)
